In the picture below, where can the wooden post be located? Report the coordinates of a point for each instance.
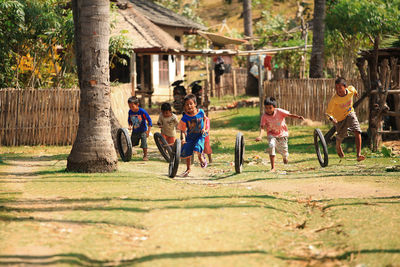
(206, 102)
(212, 82)
(133, 73)
(260, 84)
(234, 82)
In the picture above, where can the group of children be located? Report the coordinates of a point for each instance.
(195, 126)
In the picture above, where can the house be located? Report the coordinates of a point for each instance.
(157, 35)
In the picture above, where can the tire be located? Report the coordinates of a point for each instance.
(163, 146)
(174, 162)
(239, 152)
(124, 144)
(318, 135)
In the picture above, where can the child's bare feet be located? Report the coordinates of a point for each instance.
(145, 158)
(360, 158)
(273, 170)
(285, 160)
(340, 154)
(185, 173)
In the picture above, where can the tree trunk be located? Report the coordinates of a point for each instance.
(251, 82)
(93, 149)
(317, 54)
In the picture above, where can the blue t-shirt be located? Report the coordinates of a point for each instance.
(194, 125)
(138, 120)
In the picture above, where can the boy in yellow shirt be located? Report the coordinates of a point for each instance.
(341, 112)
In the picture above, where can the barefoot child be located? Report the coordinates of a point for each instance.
(341, 112)
(140, 123)
(273, 121)
(193, 128)
(167, 122)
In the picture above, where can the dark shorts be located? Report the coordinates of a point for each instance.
(349, 123)
(135, 137)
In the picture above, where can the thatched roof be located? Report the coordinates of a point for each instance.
(146, 36)
(162, 16)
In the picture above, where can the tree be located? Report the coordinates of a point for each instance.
(252, 82)
(93, 149)
(317, 53)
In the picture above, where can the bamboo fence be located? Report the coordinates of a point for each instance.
(38, 116)
(310, 97)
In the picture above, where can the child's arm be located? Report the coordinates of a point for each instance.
(259, 138)
(296, 116)
(150, 123)
(159, 122)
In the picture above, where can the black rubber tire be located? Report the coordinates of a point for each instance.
(123, 134)
(163, 146)
(239, 152)
(174, 162)
(318, 135)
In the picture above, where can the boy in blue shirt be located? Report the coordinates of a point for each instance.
(140, 123)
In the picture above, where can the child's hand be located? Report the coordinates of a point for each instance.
(148, 133)
(258, 139)
(301, 118)
(130, 127)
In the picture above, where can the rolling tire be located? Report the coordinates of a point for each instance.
(163, 146)
(318, 135)
(124, 137)
(174, 162)
(239, 152)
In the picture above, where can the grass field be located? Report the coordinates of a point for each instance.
(303, 215)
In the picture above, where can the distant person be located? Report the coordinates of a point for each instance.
(167, 121)
(341, 112)
(273, 122)
(140, 123)
(192, 126)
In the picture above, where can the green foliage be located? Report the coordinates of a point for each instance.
(276, 31)
(31, 32)
(120, 45)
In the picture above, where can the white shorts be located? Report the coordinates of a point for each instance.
(278, 145)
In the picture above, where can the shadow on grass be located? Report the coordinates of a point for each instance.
(23, 157)
(344, 256)
(83, 260)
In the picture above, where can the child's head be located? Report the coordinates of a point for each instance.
(166, 109)
(269, 105)
(340, 86)
(133, 103)
(190, 103)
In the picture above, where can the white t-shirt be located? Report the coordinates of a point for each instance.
(168, 124)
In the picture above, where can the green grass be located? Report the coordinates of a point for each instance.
(138, 216)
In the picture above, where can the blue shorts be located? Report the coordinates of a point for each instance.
(192, 145)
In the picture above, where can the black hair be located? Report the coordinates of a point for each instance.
(190, 97)
(341, 80)
(270, 101)
(166, 106)
(134, 100)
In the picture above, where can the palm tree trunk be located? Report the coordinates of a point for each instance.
(317, 54)
(93, 149)
(251, 82)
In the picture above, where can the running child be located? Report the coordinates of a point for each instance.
(167, 121)
(140, 123)
(273, 122)
(341, 112)
(193, 128)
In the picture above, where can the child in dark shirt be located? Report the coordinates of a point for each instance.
(140, 123)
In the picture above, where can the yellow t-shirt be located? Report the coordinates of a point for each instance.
(340, 106)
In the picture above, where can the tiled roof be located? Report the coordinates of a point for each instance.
(144, 33)
(163, 16)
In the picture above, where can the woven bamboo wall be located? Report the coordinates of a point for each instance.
(309, 97)
(38, 116)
